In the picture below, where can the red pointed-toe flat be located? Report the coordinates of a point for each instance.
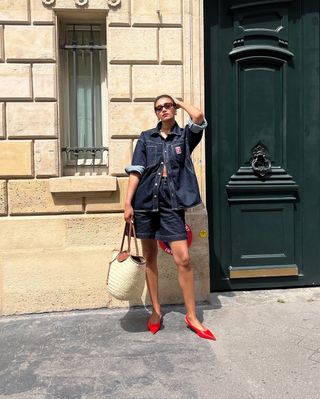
(207, 334)
(155, 327)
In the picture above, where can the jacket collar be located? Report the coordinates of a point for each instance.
(175, 129)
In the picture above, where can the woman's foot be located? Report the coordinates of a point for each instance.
(199, 329)
(154, 322)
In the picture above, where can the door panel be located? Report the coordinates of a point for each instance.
(260, 116)
(259, 152)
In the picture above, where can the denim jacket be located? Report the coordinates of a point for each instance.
(152, 152)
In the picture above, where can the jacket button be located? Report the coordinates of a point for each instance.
(155, 196)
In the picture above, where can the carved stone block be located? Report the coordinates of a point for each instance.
(120, 154)
(46, 158)
(41, 13)
(31, 120)
(34, 197)
(15, 82)
(16, 159)
(119, 79)
(2, 121)
(44, 81)
(14, 11)
(26, 43)
(3, 198)
(170, 45)
(133, 45)
(148, 81)
(130, 119)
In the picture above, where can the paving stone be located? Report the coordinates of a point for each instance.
(315, 357)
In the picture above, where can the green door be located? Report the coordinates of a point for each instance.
(263, 142)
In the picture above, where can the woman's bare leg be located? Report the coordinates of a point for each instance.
(185, 275)
(150, 252)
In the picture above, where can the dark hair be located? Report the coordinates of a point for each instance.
(163, 95)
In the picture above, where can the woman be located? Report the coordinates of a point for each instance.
(162, 183)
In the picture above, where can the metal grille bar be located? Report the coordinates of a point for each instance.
(82, 47)
(92, 87)
(90, 152)
(75, 92)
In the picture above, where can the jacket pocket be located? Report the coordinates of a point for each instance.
(178, 152)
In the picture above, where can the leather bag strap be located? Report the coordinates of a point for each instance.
(135, 239)
(131, 233)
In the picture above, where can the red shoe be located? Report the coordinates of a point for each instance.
(155, 327)
(207, 334)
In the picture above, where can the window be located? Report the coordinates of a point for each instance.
(83, 92)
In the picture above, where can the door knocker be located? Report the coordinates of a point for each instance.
(260, 162)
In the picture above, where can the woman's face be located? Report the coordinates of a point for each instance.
(165, 109)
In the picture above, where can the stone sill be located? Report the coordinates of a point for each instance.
(82, 184)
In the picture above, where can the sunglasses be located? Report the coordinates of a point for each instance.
(159, 108)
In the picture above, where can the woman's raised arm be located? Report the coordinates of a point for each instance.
(196, 115)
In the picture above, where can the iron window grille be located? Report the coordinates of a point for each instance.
(83, 52)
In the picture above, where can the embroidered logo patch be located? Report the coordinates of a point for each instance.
(178, 150)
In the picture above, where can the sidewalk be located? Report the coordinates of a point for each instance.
(268, 347)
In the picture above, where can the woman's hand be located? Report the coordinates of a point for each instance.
(128, 213)
(177, 102)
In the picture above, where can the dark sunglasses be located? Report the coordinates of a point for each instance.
(159, 108)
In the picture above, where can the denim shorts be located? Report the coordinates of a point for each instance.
(166, 224)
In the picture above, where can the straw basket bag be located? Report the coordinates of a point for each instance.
(126, 274)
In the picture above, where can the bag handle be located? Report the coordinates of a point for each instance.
(131, 230)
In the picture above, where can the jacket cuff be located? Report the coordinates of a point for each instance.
(197, 128)
(134, 168)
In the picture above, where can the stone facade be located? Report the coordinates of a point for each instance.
(57, 232)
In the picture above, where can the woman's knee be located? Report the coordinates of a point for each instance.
(183, 261)
(150, 257)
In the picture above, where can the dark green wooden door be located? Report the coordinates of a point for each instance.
(263, 142)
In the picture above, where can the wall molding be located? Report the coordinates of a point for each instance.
(82, 3)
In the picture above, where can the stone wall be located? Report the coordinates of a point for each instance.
(57, 231)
